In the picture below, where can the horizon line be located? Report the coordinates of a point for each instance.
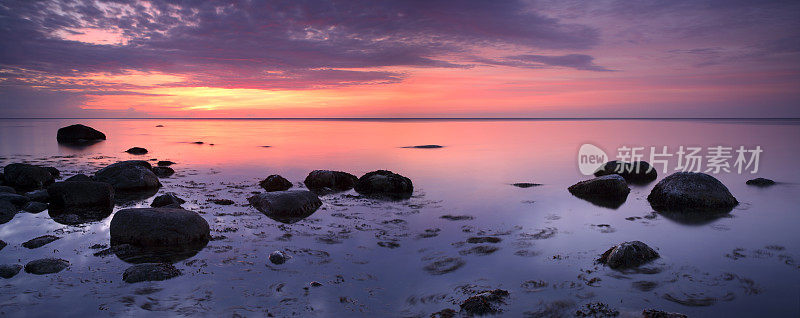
(417, 118)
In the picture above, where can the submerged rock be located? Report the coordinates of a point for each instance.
(633, 172)
(79, 177)
(327, 180)
(40, 241)
(653, 313)
(286, 206)
(35, 207)
(168, 199)
(384, 184)
(132, 175)
(78, 133)
(26, 177)
(760, 182)
(85, 200)
(607, 191)
(9, 271)
(596, 310)
(691, 192)
(275, 183)
(161, 233)
(150, 272)
(136, 151)
(425, 147)
(444, 265)
(278, 257)
(46, 266)
(163, 172)
(165, 163)
(221, 201)
(628, 255)
(484, 303)
(525, 184)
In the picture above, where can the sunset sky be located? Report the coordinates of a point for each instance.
(374, 58)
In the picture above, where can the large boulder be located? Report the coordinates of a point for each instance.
(150, 272)
(162, 234)
(628, 255)
(692, 193)
(80, 201)
(286, 206)
(26, 177)
(329, 181)
(79, 133)
(275, 183)
(384, 184)
(131, 175)
(606, 191)
(634, 172)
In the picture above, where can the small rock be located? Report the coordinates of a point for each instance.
(693, 193)
(286, 206)
(150, 272)
(652, 313)
(275, 183)
(760, 182)
(634, 172)
(628, 255)
(328, 180)
(168, 199)
(46, 266)
(78, 133)
(525, 184)
(278, 257)
(221, 201)
(457, 217)
(136, 151)
(78, 177)
(384, 184)
(8, 271)
(40, 241)
(159, 126)
(38, 195)
(483, 239)
(425, 147)
(484, 303)
(606, 191)
(315, 284)
(165, 163)
(163, 172)
(596, 310)
(3, 244)
(444, 265)
(35, 207)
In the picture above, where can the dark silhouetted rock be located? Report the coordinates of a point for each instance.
(46, 266)
(165, 163)
(136, 151)
(278, 257)
(2, 244)
(17, 200)
(79, 177)
(525, 184)
(275, 183)
(606, 191)
(760, 182)
(150, 272)
(8, 271)
(163, 172)
(425, 147)
(73, 202)
(286, 206)
(78, 134)
(596, 310)
(384, 184)
(652, 313)
(132, 175)
(53, 172)
(221, 201)
(40, 241)
(691, 192)
(7, 211)
(484, 303)
(161, 233)
(327, 180)
(168, 199)
(483, 239)
(628, 255)
(40, 195)
(7, 189)
(633, 172)
(35, 207)
(26, 177)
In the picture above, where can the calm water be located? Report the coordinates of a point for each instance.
(745, 264)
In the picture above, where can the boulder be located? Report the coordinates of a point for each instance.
(150, 272)
(163, 172)
(169, 199)
(633, 172)
(760, 182)
(286, 206)
(692, 193)
(384, 184)
(628, 255)
(86, 201)
(132, 175)
(136, 151)
(275, 183)
(79, 177)
(35, 207)
(40, 195)
(78, 134)
(161, 233)
(46, 266)
(26, 177)
(329, 181)
(607, 191)
(40, 241)
(8, 271)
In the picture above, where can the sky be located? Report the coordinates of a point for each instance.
(414, 58)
